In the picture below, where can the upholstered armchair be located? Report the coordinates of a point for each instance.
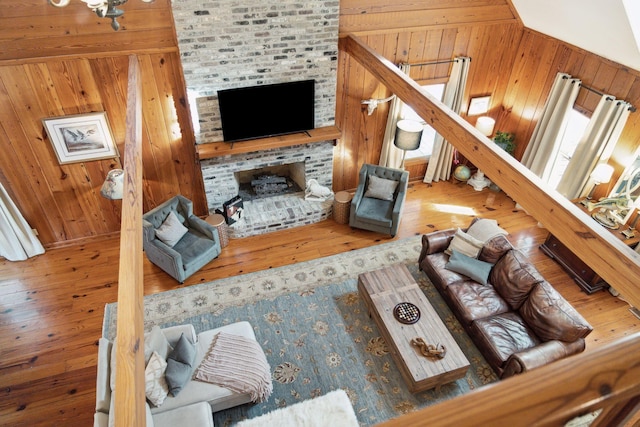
(379, 199)
(177, 241)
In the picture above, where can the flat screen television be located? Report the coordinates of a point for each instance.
(267, 110)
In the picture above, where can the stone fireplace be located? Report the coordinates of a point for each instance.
(226, 44)
(304, 162)
(271, 181)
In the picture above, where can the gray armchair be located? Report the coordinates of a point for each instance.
(379, 199)
(199, 245)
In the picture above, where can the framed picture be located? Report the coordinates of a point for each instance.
(81, 137)
(479, 105)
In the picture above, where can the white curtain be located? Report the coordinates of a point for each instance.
(544, 144)
(17, 240)
(439, 166)
(595, 146)
(390, 155)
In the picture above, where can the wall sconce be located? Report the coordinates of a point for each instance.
(408, 136)
(485, 125)
(102, 8)
(113, 186)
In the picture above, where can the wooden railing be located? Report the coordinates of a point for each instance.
(129, 392)
(608, 378)
(617, 264)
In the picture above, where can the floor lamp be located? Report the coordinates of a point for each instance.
(408, 136)
(485, 125)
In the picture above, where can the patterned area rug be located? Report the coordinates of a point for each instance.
(316, 332)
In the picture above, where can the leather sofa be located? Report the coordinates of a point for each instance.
(194, 404)
(517, 319)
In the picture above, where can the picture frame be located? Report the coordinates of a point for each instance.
(479, 105)
(81, 137)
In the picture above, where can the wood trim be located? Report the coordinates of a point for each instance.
(217, 149)
(89, 55)
(610, 258)
(130, 385)
(409, 20)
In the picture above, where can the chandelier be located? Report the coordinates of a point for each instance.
(102, 8)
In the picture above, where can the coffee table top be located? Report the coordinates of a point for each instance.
(383, 290)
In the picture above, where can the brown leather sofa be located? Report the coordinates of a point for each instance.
(517, 320)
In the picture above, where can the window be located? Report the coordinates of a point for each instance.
(575, 129)
(429, 133)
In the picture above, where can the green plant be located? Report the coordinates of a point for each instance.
(505, 141)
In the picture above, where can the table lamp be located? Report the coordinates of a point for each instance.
(601, 174)
(485, 125)
(408, 136)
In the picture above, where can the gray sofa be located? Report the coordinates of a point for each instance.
(194, 405)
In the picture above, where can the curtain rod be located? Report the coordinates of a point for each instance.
(590, 89)
(420, 64)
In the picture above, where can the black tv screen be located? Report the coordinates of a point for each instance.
(267, 110)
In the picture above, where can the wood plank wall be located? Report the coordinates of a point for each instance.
(71, 62)
(67, 61)
(538, 60)
(487, 31)
(515, 66)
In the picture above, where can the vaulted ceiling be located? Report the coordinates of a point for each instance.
(609, 28)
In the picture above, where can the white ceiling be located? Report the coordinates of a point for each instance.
(608, 28)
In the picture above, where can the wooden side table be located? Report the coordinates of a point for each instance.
(584, 276)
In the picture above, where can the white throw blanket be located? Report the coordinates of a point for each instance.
(485, 230)
(332, 409)
(239, 364)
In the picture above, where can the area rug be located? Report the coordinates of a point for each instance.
(316, 332)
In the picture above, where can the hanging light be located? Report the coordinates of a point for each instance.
(102, 8)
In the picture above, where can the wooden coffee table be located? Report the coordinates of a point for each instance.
(382, 290)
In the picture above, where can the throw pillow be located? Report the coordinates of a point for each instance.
(380, 188)
(171, 230)
(179, 365)
(551, 317)
(470, 267)
(494, 249)
(465, 244)
(154, 340)
(156, 388)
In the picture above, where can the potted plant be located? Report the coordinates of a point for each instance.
(505, 141)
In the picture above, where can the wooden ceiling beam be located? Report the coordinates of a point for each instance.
(608, 256)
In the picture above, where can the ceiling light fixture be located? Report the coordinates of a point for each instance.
(102, 8)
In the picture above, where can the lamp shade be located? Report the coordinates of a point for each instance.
(602, 173)
(485, 125)
(408, 135)
(114, 184)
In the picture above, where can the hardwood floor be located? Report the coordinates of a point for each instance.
(51, 306)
